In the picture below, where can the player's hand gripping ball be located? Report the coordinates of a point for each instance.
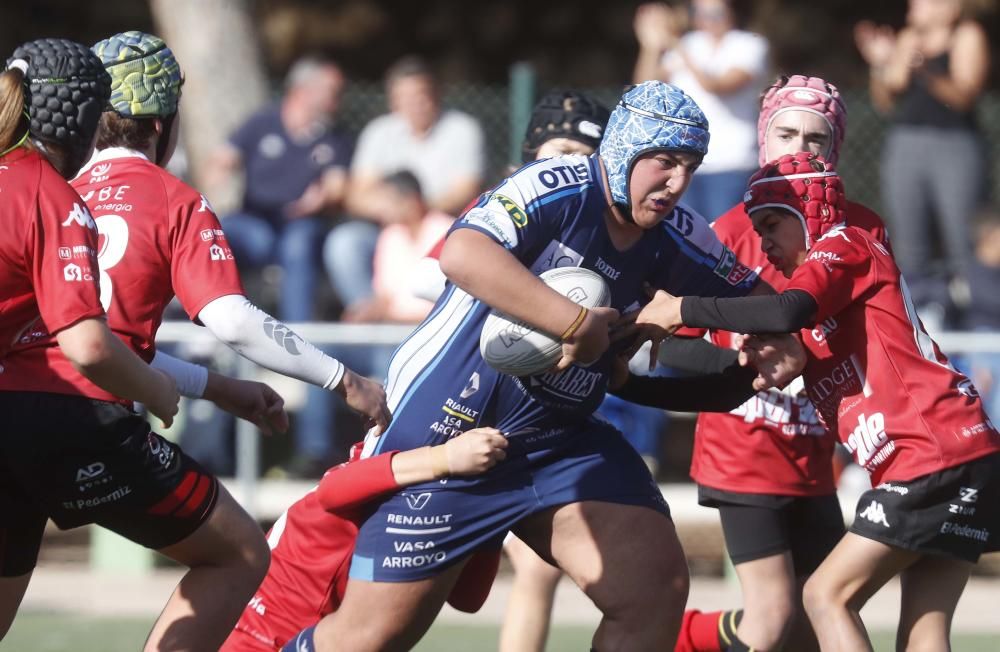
(514, 347)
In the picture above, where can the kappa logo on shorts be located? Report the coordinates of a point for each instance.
(875, 513)
(418, 501)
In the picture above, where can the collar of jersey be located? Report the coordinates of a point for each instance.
(108, 154)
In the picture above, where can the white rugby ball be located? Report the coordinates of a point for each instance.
(513, 347)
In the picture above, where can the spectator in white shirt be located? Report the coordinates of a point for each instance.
(443, 148)
(721, 68)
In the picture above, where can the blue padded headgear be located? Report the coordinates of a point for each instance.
(651, 116)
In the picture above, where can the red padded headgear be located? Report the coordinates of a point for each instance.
(801, 93)
(803, 184)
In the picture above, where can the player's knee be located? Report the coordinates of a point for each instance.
(678, 587)
(236, 541)
(530, 569)
(768, 629)
(820, 596)
(665, 584)
(771, 613)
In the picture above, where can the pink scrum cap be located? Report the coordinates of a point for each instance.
(801, 93)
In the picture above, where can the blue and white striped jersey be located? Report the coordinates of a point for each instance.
(548, 214)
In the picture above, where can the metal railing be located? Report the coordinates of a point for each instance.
(247, 456)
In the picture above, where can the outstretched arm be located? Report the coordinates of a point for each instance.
(718, 392)
(787, 312)
(247, 399)
(694, 355)
(355, 483)
(726, 379)
(259, 337)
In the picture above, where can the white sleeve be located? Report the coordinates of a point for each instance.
(190, 378)
(261, 338)
(428, 281)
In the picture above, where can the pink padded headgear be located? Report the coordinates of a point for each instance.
(803, 184)
(801, 93)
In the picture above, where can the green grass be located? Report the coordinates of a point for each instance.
(46, 632)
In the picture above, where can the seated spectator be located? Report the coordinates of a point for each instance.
(295, 161)
(411, 229)
(443, 148)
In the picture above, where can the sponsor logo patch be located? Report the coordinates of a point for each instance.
(519, 217)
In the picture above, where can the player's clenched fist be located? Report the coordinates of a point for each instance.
(475, 451)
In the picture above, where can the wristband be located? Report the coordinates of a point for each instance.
(575, 326)
(439, 462)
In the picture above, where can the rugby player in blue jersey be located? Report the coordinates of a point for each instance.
(571, 487)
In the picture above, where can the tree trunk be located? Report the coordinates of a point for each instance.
(218, 50)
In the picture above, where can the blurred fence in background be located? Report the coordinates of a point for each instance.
(496, 105)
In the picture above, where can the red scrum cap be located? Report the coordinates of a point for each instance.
(803, 184)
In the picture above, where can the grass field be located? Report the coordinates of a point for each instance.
(44, 632)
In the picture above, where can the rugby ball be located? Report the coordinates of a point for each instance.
(513, 347)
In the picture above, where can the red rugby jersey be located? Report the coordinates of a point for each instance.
(311, 552)
(48, 259)
(311, 548)
(158, 237)
(875, 376)
(773, 443)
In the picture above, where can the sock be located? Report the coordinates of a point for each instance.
(738, 646)
(700, 632)
(726, 628)
(301, 642)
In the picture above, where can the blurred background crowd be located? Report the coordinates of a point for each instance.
(339, 140)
